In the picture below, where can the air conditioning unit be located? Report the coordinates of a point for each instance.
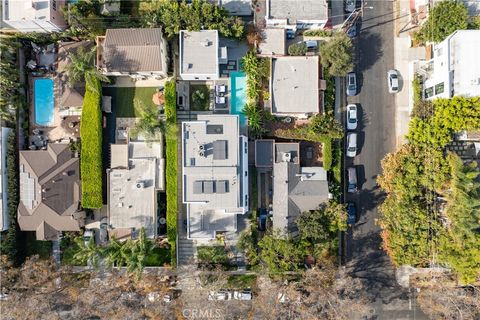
(286, 157)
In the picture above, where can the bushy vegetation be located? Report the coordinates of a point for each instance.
(336, 55)
(327, 154)
(318, 33)
(297, 49)
(171, 166)
(91, 137)
(212, 255)
(443, 19)
(173, 16)
(320, 128)
(417, 178)
(9, 75)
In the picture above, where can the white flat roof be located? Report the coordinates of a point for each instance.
(199, 52)
(26, 10)
(465, 46)
(295, 85)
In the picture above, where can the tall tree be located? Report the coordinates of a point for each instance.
(88, 253)
(150, 124)
(82, 69)
(336, 55)
(444, 18)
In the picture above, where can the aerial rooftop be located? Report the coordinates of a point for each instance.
(297, 10)
(294, 85)
(199, 52)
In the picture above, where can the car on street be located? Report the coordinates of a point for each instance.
(351, 144)
(243, 295)
(351, 84)
(290, 34)
(352, 117)
(352, 180)
(352, 213)
(392, 77)
(350, 5)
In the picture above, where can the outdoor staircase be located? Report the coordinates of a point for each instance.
(187, 252)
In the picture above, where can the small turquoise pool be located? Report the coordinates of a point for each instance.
(43, 101)
(238, 90)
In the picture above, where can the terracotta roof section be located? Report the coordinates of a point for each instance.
(133, 50)
(49, 191)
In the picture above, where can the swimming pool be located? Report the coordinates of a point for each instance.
(238, 90)
(43, 99)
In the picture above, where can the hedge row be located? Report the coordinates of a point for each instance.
(91, 155)
(171, 166)
(327, 154)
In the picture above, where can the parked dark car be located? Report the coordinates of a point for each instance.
(352, 213)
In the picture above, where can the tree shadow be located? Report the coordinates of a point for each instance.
(369, 51)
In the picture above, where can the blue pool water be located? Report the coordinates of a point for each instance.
(43, 97)
(238, 90)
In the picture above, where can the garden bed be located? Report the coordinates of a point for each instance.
(200, 97)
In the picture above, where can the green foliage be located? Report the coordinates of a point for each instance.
(329, 95)
(322, 225)
(173, 16)
(256, 120)
(327, 154)
(9, 78)
(149, 123)
(444, 18)
(417, 89)
(200, 97)
(318, 33)
(87, 253)
(319, 129)
(460, 246)
(211, 255)
(280, 253)
(474, 23)
(250, 64)
(81, 67)
(336, 55)
(124, 99)
(91, 137)
(171, 166)
(241, 281)
(297, 49)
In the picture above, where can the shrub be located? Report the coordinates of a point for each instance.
(417, 89)
(171, 166)
(91, 138)
(212, 255)
(318, 33)
(327, 154)
(297, 49)
(336, 55)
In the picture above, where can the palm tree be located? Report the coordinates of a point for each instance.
(137, 252)
(113, 253)
(82, 69)
(150, 123)
(87, 253)
(255, 119)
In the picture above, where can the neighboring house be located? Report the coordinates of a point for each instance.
(4, 222)
(200, 55)
(138, 53)
(50, 191)
(295, 86)
(274, 42)
(466, 144)
(296, 189)
(295, 14)
(236, 7)
(70, 98)
(453, 70)
(34, 15)
(214, 175)
(135, 176)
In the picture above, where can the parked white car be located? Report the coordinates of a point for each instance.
(243, 295)
(352, 117)
(351, 144)
(351, 84)
(392, 77)
(219, 295)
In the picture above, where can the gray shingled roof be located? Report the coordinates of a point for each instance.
(133, 50)
(52, 194)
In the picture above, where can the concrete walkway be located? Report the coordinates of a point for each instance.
(404, 56)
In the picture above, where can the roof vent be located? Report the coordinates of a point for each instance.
(286, 157)
(140, 185)
(201, 153)
(206, 43)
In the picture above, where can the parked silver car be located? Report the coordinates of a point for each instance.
(351, 144)
(351, 84)
(392, 78)
(352, 180)
(352, 117)
(350, 5)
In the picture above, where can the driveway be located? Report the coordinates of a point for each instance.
(365, 258)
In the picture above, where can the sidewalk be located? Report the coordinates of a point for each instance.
(404, 56)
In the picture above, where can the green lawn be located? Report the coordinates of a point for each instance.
(241, 281)
(123, 98)
(199, 97)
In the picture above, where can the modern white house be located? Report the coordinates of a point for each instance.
(137, 53)
(295, 86)
(200, 55)
(297, 14)
(454, 69)
(42, 16)
(136, 174)
(4, 178)
(215, 175)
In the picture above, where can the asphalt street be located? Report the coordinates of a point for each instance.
(365, 258)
